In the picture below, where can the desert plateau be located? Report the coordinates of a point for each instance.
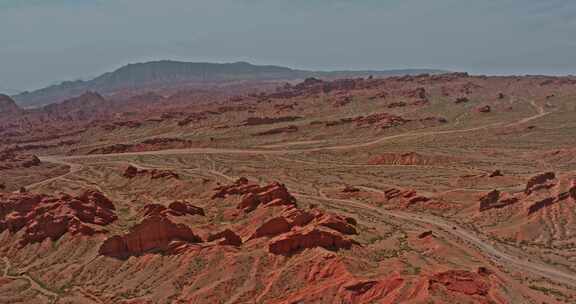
(429, 188)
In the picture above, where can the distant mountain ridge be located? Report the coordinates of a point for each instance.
(174, 73)
(7, 91)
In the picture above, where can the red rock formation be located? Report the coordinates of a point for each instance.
(496, 173)
(10, 160)
(425, 234)
(572, 191)
(397, 104)
(419, 93)
(296, 241)
(42, 216)
(256, 121)
(133, 172)
(483, 271)
(490, 199)
(154, 144)
(461, 281)
(293, 229)
(361, 287)
(539, 181)
(297, 217)
(239, 187)
(227, 237)
(193, 118)
(153, 234)
(122, 124)
(178, 208)
(288, 129)
(337, 223)
(541, 204)
(154, 210)
(272, 227)
(350, 189)
(275, 194)
(461, 100)
(484, 109)
(341, 121)
(381, 120)
(495, 200)
(293, 217)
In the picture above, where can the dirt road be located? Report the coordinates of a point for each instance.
(62, 159)
(488, 250)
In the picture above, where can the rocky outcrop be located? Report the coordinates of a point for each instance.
(292, 229)
(43, 217)
(381, 120)
(484, 109)
(226, 237)
(155, 234)
(274, 194)
(8, 105)
(496, 200)
(489, 200)
(495, 173)
(338, 223)
(396, 104)
(256, 121)
(153, 144)
(540, 181)
(572, 191)
(541, 204)
(418, 93)
(350, 189)
(178, 208)
(122, 124)
(193, 118)
(296, 241)
(461, 281)
(288, 129)
(239, 187)
(133, 172)
(272, 227)
(293, 217)
(10, 160)
(425, 234)
(406, 197)
(461, 100)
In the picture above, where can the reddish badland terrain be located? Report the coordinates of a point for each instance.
(419, 189)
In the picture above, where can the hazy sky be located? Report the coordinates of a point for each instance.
(47, 41)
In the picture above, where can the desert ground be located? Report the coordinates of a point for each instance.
(444, 188)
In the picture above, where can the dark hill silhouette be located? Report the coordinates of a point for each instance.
(174, 73)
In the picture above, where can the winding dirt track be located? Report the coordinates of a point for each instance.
(493, 254)
(33, 284)
(62, 159)
(489, 251)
